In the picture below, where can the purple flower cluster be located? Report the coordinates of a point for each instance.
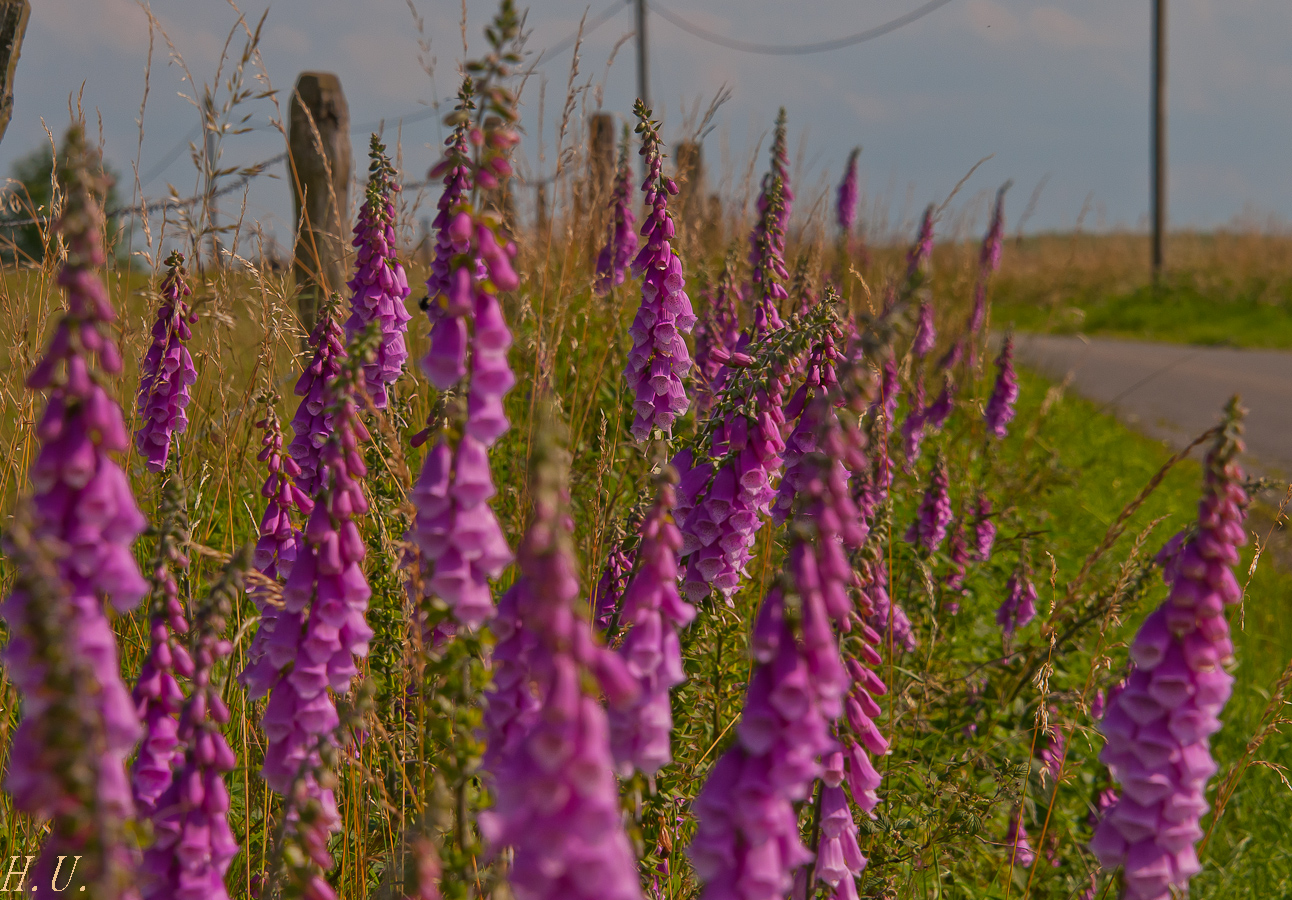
(610, 588)
(460, 541)
(988, 262)
(769, 232)
(379, 286)
(914, 423)
(886, 616)
(716, 335)
(276, 549)
(726, 498)
(157, 695)
(930, 528)
(82, 504)
(846, 206)
(658, 360)
(312, 423)
(984, 529)
(746, 843)
(1159, 725)
(1020, 849)
(556, 802)
(819, 379)
(621, 243)
(193, 843)
(655, 611)
(457, 192)
(321, 627)
(957, 559)
(1019, 607)
(839, 860)
(167, 372)
(1000, 406)
(926, 334)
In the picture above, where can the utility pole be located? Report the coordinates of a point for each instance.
(1159, 134)
(643, 61)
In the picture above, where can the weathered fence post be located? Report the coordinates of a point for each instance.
(13, 25)
(318, 143)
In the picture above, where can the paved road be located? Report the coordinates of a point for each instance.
(1174, 392)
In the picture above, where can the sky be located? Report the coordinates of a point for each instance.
(1051, 91)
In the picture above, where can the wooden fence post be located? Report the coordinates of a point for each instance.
(13, 25)
(318, 143)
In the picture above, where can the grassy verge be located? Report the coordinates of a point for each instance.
(1219, 289)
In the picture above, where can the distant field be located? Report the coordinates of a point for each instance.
(1220, 289)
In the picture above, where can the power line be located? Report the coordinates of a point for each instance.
(795, 49)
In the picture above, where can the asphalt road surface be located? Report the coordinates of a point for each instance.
(1174, 392)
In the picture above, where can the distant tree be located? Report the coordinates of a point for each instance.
(29, 196)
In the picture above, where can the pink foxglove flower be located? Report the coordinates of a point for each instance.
(984, 529)
(658, 360)
(770, 232)
(77, 716)
(286, 506)
(930, 529)
(926, 334)
(914, 424)
(609, 593)
(988, 262)
(460, 541)
(157, 694)
(1000, 406)
(379, 286)
(621, 242)
(1019, 607)
(746, 843)
(716, 335)
(654, 611)
(1159, 725)
(167, 370)
(321, 628)
(720, 527)
(958, 559)
(1019, 849)
(846, 203)
(194, 843)
(312, 424)
(886, 615)
(556, 801)
(456, 176)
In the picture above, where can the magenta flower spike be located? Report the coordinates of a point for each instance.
(82, 505)
(780, 218)
(988, 263)
(548, 760)
(958, 559)
(1159, 725)
(655, 612)
(1019, 607)
(984, 529)
(658, 361)
(157, 695)
(460, 541)
(194, 843)
(913, 425)
(1000, 406)
(456, 192)
(746, 843)
(926, 334)
(716, 335)
(167, 370)
(379, 286)
(610, 588)
(1054, 752)
(286, 506)
(930, 529)
(886, 615)
(846, 203)
(621, 242)
(312, 424)
(321, 628)
(1020, 850)
(921, 253)
(720, 527)
(802, 442)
